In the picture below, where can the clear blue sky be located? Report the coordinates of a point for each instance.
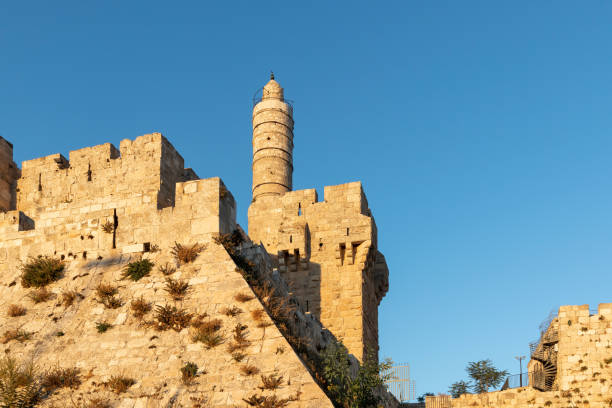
(481, 132)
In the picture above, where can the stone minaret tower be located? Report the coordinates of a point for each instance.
(272, 142)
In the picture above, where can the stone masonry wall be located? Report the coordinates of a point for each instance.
(62, 206)
(327, 253)
(153, 358)
(584, 373)
(146, 201)
(9, 172)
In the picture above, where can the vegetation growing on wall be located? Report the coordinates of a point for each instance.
(41, 271)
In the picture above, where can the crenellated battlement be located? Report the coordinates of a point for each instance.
(147, 167)
(64, 206)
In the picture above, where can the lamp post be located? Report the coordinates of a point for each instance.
(520, 360)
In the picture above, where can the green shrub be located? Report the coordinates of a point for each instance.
(103, 326)
(347, 390)
(137, 270)
(41, 271)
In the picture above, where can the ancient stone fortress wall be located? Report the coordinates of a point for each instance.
(141, 190)
(64, 208)
(9, 172)
(327, 251)
(583, 354)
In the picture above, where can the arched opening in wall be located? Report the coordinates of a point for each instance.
(290, 239)
(39, 182)
(89, 172)
(115, 224)
(347, 232)
(299, 209)
(307, 307)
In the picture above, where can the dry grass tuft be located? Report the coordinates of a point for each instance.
(206, 332)
(270, 401)
(279, 307)
(106, 295)
(69, 296)
(40, 295)
(120, 383)
(186, 253)
(108, 227)
(15, 310)
(169, 317)
(140, 307)
(259, 315)
(188, 372)
(105, 290)
(243, 297)
(97, 403)
(240, 341)
(249, 369)
(176, 288)
(231, 311)
(41, 271)
(238, 356)
(61, 378)
(17, 334)
(167, 269)
(271, 382)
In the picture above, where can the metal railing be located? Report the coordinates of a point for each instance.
(259, 96)
(534, 379)
(399, 384)
(516, 381)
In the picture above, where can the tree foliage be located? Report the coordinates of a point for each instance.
(485, 375)
(353, 391)
(459, 388)
(423, 397)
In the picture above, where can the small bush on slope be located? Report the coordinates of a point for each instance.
(41, 271)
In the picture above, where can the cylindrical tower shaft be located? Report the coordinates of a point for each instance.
(272, 142)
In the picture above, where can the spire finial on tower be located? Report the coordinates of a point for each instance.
(271, 74)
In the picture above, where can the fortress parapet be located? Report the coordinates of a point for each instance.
(143, 171)
(9, 172)
(103, 199)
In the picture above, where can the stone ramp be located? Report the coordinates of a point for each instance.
(153, 358)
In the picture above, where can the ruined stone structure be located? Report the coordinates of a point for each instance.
(102, 208)
(571, 366)
(326, 250)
